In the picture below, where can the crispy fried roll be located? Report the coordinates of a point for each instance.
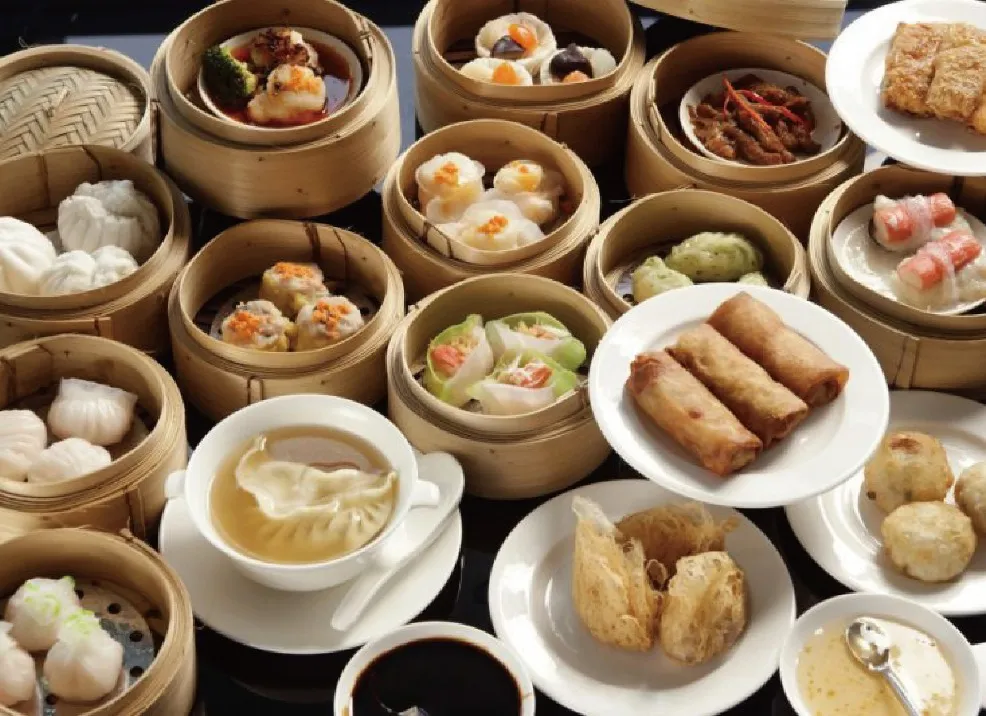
(960, 75)
(910, 65)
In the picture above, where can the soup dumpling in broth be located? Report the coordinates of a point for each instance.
(497, 72)
(520, 37)
(92, 411)
(535, 190)
(258, 325)
(447, 185)
(289, 286)
(576, 64)
(23, 436)
(328, 320)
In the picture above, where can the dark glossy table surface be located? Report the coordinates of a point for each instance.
(234, 679)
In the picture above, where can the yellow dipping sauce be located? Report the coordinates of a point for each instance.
(833, 683)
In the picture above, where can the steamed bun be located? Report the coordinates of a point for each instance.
(109, 213)
(929, 541)
(24, 254)
(970, 495)
(907, 467)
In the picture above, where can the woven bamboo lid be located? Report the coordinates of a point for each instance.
(59, 95)
(805, 19)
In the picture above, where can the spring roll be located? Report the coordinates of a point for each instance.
(791, 360)
(686, 410)
(763, 405)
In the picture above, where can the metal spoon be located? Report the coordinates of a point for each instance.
(871, 647)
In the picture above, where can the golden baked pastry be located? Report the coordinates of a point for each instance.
(907, 467)
(970, 495)
(929, 541)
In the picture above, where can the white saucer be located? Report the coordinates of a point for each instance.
(298, 622)
(841, 529)
(531, 607)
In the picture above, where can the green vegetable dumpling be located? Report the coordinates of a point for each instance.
(653, 276)
(754, 278)
(458, 357)
(536, 331)
(715, 256)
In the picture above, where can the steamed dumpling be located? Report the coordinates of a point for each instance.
(522, 382)
(653, 277)
(66, 460)
(576, 64)
(534, 189)
(77, 271)
(328, 320)
(289, 286)
(447, 185)
(715, 256)
(537, 331)
(496, 226)
(458, 357)
(84, 665)
(497, 72)
(17, 677)
(259, 325)
(109, 213)
(24, 254)
(23, 436)
(95, 412)
(520, 37)
(38, 609)
(291, 90)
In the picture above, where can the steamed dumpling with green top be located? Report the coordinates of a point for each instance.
(458, 357)
(715, 256)
(523, 382)
(653, 277)
(537, 331)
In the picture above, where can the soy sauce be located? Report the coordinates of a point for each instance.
(444, 677)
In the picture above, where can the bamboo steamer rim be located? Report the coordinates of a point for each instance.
(666, 75)
(108, 163)
(536, 94)
(499, 132)
(597, 269)
(84, 123)
(538, 294)
(136, 567)
(194, 278)
(228, 18)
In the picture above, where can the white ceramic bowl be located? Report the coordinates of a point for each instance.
(195, 482)
(847, 607)
(432, 630)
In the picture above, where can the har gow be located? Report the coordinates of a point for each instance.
(109, 213)
(23, 436)
(38, 609)
(66, 460)
(98, 413)
(85, 663)
(17, 678)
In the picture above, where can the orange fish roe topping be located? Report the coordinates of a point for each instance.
(524, 168)
(494, 226)
(505, 74)
(290, 270)
(244, 324)
(573, 77)
(448, 173)
(523, 36)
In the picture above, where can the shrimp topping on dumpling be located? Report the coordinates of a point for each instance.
(447, 185)
(326, 321)
(258, 325)
(291, 90)
(535, 190)
(497, 226)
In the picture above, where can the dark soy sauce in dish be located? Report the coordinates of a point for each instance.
(442, 677)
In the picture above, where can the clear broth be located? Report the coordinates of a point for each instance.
(240, 522)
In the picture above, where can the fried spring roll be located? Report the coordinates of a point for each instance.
(686, 410)
(763, 405)
(790, 359)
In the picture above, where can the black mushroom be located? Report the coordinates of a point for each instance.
(568, 61)
(507, 48)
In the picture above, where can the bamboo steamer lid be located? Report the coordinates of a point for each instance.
(211, 160)
(136, 573)
(631, 235)
(130, 492)
(504, 457)
(132, 310)
(492, 142)
(59, 95)
(911, 356)
(807, 19)
(589, 117)
(220, 378)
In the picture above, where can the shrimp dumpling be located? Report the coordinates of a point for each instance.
(447, 185)
(498, 72)
(328, 320)
(110, 213)
(289, 286)
(458, 357)
(522, 382)
(258, 325)
(520, 37)
(66, 460)
(100, 414)
(38, 609)
(24, 255)
(536, 331)
(85, 663)
(17, 677)
(23, 436)
(497, 226)
(291, 91)
(535, 190)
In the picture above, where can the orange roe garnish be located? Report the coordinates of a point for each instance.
(505, 74)
(524, 169)
(289, 270)
(329, 315)
(494, 226)
(448, 173)
(523, 36)
(573, 77)
(244, 324)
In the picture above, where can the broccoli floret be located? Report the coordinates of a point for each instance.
(227, 78)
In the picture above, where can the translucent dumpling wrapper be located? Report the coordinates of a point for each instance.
(576, 64)
(715, 256)
(328, 320)
(23, 436)
(522, 382)
(85, 663)
(498, 72)
(100, 414)
(535, 190)
(519, 37)
(653, 277)
(291, 92)
(17, 678)
(458, 358)
(540, 332)
(66, 460)
(25, 253)
(258, 325)
(38, 609)
(110, 213)
(448, 184)
(490, 233)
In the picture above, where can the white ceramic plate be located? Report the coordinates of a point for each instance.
(841, 529)
(531, 607)
(828, 125)
(830, 446)
(871, 266)
(854, 75)
(298, 622)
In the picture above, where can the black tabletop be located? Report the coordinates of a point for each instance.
(237, 680)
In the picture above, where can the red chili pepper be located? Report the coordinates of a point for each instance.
(758, 101)
(742, 104)
(750, 94)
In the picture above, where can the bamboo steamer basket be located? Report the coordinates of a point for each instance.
(658, 161)
(228, 167)
(808, 19)
(220, 378)
(61, 95)
(911, 356)
(587, 117)
(504, 457)
(631, 235)
(137, 574)
(493, 142)
(128, 494)
(898, 181)
(132, 310)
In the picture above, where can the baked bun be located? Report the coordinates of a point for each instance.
(970, 495)
(929, 541)
(907, 467)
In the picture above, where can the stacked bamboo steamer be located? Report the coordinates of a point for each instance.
(131, 570)
(658, 158)
(129, 493)
(132, 310)
(408, 238)
(916, 349)
(59, 95)
(219, 378)
(810, 19)
(589, 117)
(653, 224)
(504, 457)
(300, 172)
